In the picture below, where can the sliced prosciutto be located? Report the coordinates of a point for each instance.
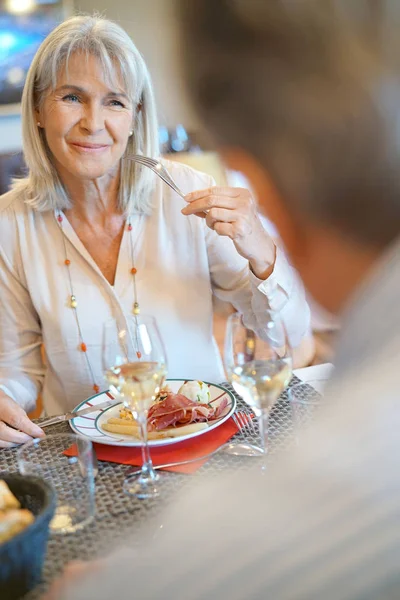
(177, 410)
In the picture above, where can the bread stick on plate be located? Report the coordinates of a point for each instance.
(120, 426)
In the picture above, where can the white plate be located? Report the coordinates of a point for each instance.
(90, 425)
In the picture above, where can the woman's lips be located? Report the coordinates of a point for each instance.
(89, 148)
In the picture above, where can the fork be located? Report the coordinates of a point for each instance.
(158, 168)
(232, 448)
(240, 420)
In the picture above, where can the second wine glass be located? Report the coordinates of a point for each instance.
(136, 368)
(259, 367)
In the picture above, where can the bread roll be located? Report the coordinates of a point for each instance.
(13, 521)
(7, 499)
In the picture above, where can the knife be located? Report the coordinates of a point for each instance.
(79, 413)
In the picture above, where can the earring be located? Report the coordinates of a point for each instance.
(38, 124)
(131, 132)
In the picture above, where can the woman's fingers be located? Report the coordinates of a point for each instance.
(17, 418)
(225, 229)
(4, 445)
(224, 215)
(15, 425)
(206, 203)
(8, 434)
(231, 192)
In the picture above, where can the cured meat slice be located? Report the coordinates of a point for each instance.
(177, 410)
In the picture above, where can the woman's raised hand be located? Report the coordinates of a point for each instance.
(232, 212)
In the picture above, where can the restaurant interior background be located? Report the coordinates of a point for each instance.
(153, 26)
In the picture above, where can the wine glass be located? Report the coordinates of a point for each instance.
(135, 367)
(259, 367)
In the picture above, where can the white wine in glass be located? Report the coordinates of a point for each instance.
(261, 382)
(136, 368)
(259, 367)
(137, 383)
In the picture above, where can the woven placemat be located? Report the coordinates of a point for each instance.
(119, 516)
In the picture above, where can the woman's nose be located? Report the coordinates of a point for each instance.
(93, 118)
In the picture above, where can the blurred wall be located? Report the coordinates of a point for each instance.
(10, 133)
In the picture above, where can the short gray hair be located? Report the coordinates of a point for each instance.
(107, 41)
(299, 85)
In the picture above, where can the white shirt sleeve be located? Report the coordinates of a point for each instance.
(21, 365)
(233, 282)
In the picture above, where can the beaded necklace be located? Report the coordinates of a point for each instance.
(73, 302)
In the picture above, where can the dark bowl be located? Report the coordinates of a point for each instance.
(22, 557)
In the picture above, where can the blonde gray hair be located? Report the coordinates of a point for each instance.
(91, 35)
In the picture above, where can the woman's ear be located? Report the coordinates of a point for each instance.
(139, 106)
(38, 118)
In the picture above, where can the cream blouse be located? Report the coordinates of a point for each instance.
(180, 263)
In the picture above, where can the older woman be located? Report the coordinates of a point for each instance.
(87, 234)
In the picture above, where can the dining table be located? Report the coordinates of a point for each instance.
(119, 517)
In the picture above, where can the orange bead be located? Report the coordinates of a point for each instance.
(83, 347)
(133, 271)
(139, 354)
(96, 388)
(67, 262)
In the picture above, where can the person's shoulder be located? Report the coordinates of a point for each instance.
(8, 201)
(188, 178)
(13, 212)
(13, 201)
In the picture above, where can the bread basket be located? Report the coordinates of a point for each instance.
(22, 557)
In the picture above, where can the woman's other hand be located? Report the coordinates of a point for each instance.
(232, 212)
(15, 425)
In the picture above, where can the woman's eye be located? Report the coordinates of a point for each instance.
(71, 98)
(116, 103)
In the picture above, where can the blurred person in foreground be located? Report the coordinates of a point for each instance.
(87, 236)
(309, 109)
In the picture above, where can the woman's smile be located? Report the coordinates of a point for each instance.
(88, 147)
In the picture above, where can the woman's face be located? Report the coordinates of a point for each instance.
(86, 123)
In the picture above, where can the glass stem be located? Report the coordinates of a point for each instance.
(263, 419)
(147, 465)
